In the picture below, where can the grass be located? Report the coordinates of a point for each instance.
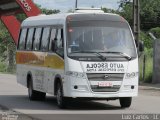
(148, 66)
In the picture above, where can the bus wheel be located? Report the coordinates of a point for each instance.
(59, 96)
(125, 102)
(35, 95)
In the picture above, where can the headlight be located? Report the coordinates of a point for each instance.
(131, 75)
(75, 74)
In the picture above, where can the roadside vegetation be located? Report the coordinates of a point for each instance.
(149, 15)
(2, 67)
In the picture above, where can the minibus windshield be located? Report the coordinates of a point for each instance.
(100, 36)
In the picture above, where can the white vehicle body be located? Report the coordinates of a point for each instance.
(80, 77)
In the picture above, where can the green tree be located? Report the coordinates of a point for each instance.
(107, 10)
(21, 17)
(123, 2)
(46, 11)
(49, 11)
(5, 39)
(126, 11)
(148, 42)
(149, 12)
(156, 32)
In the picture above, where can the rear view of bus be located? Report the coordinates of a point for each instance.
(102, 61)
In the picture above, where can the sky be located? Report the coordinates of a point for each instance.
(65, 5)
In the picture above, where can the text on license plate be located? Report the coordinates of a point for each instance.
(105, 84)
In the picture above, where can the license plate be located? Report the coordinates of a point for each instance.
(105, 84)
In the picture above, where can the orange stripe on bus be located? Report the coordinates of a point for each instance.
(39, 59)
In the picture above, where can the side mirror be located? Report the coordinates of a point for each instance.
(141, 46)
(54, 45)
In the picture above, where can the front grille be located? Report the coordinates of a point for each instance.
(102, 77)
(96, 88)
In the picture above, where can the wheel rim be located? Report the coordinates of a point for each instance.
(59, 96)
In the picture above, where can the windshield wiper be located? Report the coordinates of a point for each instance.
(120, 53)
(99, 55)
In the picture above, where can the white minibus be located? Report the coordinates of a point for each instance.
(83, 55)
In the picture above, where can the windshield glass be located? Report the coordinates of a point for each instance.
(100, 36)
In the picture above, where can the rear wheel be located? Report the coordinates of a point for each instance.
(125, 102)
(61, 102)
(33, 94)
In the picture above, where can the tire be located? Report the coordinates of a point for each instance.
(125, 102)
(61, 102)
(33, 94)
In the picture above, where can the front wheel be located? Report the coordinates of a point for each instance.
(59, 96)
(125, 102)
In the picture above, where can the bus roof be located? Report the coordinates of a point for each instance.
(54, 19)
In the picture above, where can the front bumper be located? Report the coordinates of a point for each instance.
(80, 88)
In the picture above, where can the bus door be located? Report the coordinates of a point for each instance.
(55, 57)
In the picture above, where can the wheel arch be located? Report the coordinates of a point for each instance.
(29, 78)
(58, 79)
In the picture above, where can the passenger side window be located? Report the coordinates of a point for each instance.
(59, 42)
(22, 39)
(30, 39)
(36, 44)
(53, 36)
(45, 39)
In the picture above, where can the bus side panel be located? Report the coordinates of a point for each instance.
(55, 67)
(21, 78)
(43, 67)
(31, 63)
